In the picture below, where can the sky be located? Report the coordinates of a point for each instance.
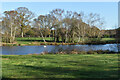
(59, 0)
(107, 10)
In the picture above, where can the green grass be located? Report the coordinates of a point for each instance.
(33, 38)
(108, 39)
(27, 40)
(50, 41)
(60, 66)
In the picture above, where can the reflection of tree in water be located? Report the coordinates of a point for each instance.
(118, 47)
(118, 38)
(80, 48)
(113, 47)
(54, 49)
(67, 48)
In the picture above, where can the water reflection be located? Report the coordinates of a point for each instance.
(23, 50)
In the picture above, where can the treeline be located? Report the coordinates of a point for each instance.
(109, 33)
(60, 24)
(118, 32)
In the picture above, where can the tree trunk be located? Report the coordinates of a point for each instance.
(57, 39)
(55, 35)
(42, 36)
(66, 39)
(14, 34)
(73, 38)
(11, 31)
(49, 35)
(79, 39)
(22, 34)
(11, 36)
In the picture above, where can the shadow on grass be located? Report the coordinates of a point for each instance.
(42, 57)
(57, 72)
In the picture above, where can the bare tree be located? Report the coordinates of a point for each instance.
(67, 23)
(58, 17)
(80, 26)
(10, 24)
(24, 18)
(95, 25)
(37, 24)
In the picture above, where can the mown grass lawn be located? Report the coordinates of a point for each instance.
(60, 66)
(108, 39)
(27, 40)
(33, 38)
(39, 40)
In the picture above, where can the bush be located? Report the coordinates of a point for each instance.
(82, 52)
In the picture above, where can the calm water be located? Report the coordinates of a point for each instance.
(23, 50)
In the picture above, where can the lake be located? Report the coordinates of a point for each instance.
(23, 50)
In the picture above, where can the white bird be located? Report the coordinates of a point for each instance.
(44, 46)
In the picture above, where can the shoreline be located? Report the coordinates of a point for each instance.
(38, 43)
(91, 52)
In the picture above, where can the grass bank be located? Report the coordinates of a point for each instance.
(49, 41)
(60, 66)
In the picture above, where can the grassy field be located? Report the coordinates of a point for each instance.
(60, 66)
(49, 41)
(108, 39)
(27, 40)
